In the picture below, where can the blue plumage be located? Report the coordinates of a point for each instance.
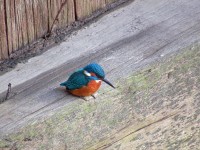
(77, 80)
(83, 76)
(95, 68)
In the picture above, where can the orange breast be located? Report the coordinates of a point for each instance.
(88, 90)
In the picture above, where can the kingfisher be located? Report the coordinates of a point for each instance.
(86, 81)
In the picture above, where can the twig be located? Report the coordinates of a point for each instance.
(56, 18)
(8, 92)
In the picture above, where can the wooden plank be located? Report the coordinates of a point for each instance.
(141, 104)
(98, 4)
(3, 34)
(30, 20)
(40, 14)
(78, 8)
(113, 41)
(65, 12)
(62, 18)
(9, 26)
(54, 6)
(70, 12)
(12, 28)
(110, 1)
(43, 17)
(18, 22)
(87, 7)
(21, 23)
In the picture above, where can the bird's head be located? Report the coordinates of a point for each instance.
(95, 69)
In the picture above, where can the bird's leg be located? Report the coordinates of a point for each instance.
(93, 96)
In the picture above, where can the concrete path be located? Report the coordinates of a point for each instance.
(122, 42)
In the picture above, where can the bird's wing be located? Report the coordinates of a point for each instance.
(76, 80)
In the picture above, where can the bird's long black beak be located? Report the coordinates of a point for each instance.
(106, 81)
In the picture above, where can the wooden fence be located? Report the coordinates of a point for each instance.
(23, 21)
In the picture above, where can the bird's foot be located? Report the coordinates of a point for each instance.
(86, 98)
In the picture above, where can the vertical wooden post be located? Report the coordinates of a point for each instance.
(3, 31)
(85, 8)
(30, 20)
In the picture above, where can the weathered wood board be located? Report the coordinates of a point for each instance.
(24, 21)
(143, 109)
(3, 35)
(157, 107)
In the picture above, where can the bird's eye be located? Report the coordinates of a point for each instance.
(87, 73)
(93, 74)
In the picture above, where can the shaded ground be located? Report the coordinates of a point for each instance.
(157, 107)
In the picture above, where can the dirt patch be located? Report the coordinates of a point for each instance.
(57, 36)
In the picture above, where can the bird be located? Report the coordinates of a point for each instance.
(86, 81)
